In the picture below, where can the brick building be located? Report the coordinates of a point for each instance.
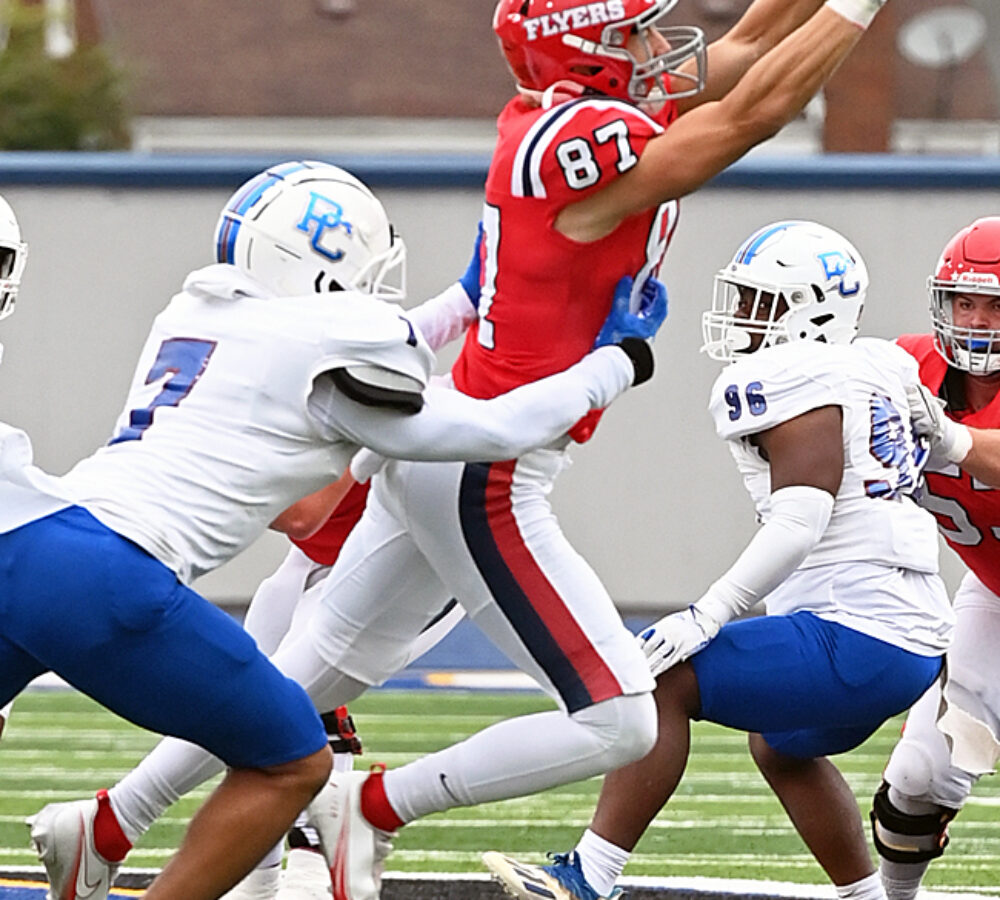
(271, 65)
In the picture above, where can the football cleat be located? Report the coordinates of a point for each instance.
(562, 880)
(63, 837)
(260, 884)
(354, 850)
(306, 877)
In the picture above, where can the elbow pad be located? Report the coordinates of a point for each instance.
(375, 386)
(799, 516)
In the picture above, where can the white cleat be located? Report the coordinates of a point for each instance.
(260, 884)
(354, 850)
(563, 879)
(306, 877)
(63, 835)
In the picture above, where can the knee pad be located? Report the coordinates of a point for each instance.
(910, 770)
(625, 725)
(907, 838)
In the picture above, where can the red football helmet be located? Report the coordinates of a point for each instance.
(968, 267)
(548, 41)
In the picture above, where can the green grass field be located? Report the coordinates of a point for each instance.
(723, 822)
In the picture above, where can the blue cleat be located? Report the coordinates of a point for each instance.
(562, 880)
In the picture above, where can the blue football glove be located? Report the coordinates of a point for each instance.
(470, 281)
(622, 323)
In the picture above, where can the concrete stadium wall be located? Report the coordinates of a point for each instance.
(653, 502)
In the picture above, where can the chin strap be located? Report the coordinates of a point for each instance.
(554, 94)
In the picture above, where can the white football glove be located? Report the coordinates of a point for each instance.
(676, 637)
(947, 438)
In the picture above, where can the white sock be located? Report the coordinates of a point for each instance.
(901, 880)
(602, 862)
(173, 768)
(867, 888)
(343, 762)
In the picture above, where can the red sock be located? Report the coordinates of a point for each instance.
(375, 806)
(109, 839)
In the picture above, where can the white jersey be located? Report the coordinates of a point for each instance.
(231, 418)
(874, 521)
(215, 439)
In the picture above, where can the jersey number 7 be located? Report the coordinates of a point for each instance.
(179, 364)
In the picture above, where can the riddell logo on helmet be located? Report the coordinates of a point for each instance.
(576, 17)
(976, 278)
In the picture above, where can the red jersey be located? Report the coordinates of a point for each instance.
(968, 512)
(544, 296)
(324, 546)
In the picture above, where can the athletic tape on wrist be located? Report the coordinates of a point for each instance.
(860, 12)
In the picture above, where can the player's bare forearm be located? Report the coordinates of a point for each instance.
(762, 27)
(702, 143)
(983, 460)
(305, 517)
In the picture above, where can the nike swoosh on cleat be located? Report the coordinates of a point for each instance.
(84, 887)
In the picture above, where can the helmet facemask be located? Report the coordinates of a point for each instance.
(13, 255)
(973, 350)
(968, 271)
(657, 76)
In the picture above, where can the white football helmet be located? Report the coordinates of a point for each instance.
(13, 255)
(310, 227)
(790, 281)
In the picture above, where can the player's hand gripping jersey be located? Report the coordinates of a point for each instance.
(968, 512)
(874, 517)
(544, 296)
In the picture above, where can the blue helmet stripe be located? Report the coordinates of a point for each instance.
(749, 250)
(243, 201)
(225, 248)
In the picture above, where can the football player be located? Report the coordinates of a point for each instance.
(256, 385)
(613, 122)
(611, 125)
(13, 255)
(951, 737)
(857, 618)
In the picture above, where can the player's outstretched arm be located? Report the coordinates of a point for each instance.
(702, 143)
(453, 426)
(806, 459)
(761, 28)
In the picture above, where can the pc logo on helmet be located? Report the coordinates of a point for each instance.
(309, 227)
